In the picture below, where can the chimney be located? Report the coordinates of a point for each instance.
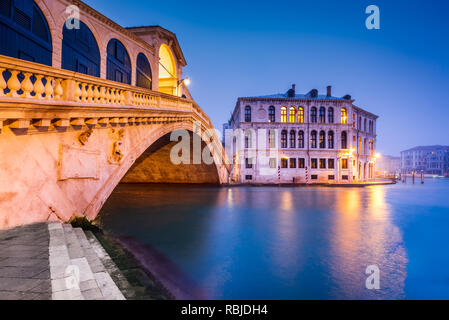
(291, 92)
(329, 91)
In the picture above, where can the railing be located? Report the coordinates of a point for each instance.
(28, 80)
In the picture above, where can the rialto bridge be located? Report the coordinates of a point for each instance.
(84, 108)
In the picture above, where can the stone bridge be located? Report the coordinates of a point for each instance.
(69, 134)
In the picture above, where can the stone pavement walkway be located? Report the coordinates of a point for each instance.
(24, 263)
(55, 261)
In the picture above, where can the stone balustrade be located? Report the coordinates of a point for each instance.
(28, 83)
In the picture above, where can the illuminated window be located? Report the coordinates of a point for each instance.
(272, 139)
(284, 163)
(313, 139)
(300, 115)
(293, 163)
(322, 115)
(330, 163)
(247, 114)
(301, 139)
(330, 113)
(292, 115)
(314, 163)
(360, 145)
(330, 140)
(284, 114)
(322, 139)
(301, 163)
(271, 114)
(344, 116)
(344, 140)
(284, 139)
(313, 115)
(292, 139)
(344, 163)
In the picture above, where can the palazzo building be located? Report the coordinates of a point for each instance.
(301, 138)
(426, 159)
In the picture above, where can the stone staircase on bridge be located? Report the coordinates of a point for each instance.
(79, 266)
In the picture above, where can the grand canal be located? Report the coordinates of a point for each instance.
(293, 243)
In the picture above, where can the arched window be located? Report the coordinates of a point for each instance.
(248, 114)
(313, 139)
(300, 115)
(292, 139)
(330, 113)
(359, 124)
(344, 116)
(322, 139)
(330, 140)
(24, 32)
(360, 146)
(313, 115)
(371, 126)
(292, 115)
(284, 114)
(364, 146)
(118, 63)
(344, 140)
(364, 125)
(301, 139)
(144, 76)
(80, 51)
(284, 139)
(271, 114)
(322, 115)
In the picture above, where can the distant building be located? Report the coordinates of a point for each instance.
(388, 165)
(301, 138)
(429, 159)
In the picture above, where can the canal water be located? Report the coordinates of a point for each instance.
(293, 242)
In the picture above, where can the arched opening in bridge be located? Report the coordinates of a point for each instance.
(144, 76)
(118, 62)
(24, 32)
(168, 81)
(80, 51)
(155, 166)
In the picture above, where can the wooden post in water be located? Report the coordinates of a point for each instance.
(413, 175)
(422, 177)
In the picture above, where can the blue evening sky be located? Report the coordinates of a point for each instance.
(245, 48)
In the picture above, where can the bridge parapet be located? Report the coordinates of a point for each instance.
(33, 86)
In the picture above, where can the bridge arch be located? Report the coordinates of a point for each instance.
(130, 164)
(26, 30)
(80, 50)
(168, 78)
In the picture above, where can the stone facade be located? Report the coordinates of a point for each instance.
(300, 138)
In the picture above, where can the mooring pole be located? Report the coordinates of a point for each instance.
(413, 175)
(422, 177)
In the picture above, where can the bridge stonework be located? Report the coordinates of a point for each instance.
(67, 139)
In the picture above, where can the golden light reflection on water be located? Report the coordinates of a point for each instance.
(364, 235)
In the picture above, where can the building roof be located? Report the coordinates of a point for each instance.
(428, 148)
(142, 30)
(296, 96)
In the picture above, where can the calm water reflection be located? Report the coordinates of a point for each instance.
(294, 243)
